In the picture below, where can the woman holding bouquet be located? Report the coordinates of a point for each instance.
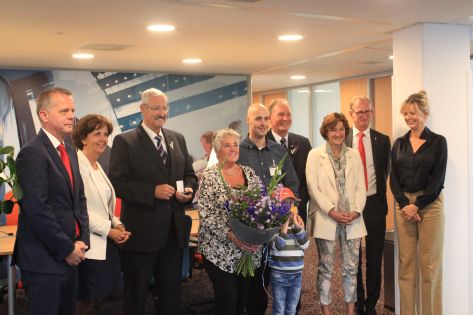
(220, 248)
(336, 183)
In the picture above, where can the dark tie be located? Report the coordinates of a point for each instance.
(67, 164)
(162, 153)
(361, 149)
(283, 143)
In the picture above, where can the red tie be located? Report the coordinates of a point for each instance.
(67, 164)
(361, 148)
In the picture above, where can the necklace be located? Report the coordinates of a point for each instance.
(233, 170)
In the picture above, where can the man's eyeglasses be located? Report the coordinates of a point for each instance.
(363, 112)
(157, 108)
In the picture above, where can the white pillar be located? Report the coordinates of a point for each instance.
(436, 58)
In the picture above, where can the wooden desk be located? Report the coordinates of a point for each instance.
(7, 243)
(194, 214)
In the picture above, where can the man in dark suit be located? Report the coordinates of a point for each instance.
(374, 148)
(53, 226)
(151, 171)
(297, 146)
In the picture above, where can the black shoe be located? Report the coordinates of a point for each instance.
(370, 311)
(359, 309)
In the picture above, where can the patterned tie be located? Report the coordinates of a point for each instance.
(361, 148)
(162, 153)
(283, 143)
(67, 164)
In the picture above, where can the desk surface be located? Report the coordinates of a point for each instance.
(7, 242)
(194, 214)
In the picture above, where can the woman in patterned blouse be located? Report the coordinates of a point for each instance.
(218, 245)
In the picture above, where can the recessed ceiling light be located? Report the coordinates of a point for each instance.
(192, 60)
(82, 56)
(391, 57)
(161, 28)
(303, 91)
(297, 77)
(290, 37)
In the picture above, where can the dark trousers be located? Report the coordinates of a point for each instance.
(230, 290)
(51, 294)
(165, 266)
(374, 216)
(258, 298)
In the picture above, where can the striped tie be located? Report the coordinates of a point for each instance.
(162, 153)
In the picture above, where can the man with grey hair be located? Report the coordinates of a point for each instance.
(374, 148)
(151, 171)
(262, 155)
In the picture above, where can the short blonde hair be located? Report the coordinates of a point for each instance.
(359, 98)
(420, 100)
(222, 133)
(43, 99)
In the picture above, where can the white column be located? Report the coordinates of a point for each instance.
(436, 58)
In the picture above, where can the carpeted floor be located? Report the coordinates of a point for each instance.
(199, 289)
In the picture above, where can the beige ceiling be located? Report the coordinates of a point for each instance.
(342, 38)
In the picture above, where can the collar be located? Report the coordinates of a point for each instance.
(52, 138)
(151, 133)
(367, 132)
(278, 138)
(328, 149)
(248, 144)
(426, 134)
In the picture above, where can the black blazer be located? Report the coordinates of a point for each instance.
(135, 170)
(299, 147)
(381, 147)
(49, 209)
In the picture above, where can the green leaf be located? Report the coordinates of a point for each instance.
(7, 206)
(11, 165)
(17, 191)
(7, 150)
(2, 165)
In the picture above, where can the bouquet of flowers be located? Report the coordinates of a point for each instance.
(256, 215)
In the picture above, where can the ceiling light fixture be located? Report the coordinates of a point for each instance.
(161, 28)
(82, 56)
(297, 77)
(391, 57)
(192, 60)
(290, 37)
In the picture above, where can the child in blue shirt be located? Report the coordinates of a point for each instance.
(287, 261)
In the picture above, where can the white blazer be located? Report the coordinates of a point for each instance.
(101, 215)
(324, 195)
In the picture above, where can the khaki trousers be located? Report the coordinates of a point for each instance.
(428, 235)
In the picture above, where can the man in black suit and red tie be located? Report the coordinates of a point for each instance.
(53, 225)
(151, 171)
(298, 146)
(374, 148)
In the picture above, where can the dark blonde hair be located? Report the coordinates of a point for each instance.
(420, 100)
(42, 101)
(330, 121)
(88, 124)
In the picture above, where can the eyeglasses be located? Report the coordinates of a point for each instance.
(157, 108)
(363, 112)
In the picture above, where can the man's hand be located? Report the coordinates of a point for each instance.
(118, 235)
(185, 196)
(77, 255)
(164, 192)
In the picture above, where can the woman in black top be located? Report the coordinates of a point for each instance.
(419, 162)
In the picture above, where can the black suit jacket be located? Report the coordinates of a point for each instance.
(299, 147)
(135, 170)
(49, 209)
(381, 147)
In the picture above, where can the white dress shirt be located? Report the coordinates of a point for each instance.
(369, 158)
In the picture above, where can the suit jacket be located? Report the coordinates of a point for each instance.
(381, 148)
(298, 149)
(135, 170)
(50, 207)
(324, 194)
(100, 210)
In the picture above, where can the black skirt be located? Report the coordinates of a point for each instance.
(99, 279)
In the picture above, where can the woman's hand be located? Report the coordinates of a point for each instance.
(352, 216)
(340, 217)
(251, 248)
(119, 235)
(409, 212)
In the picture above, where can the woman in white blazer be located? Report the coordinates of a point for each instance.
(100, 273)
(336, 184)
